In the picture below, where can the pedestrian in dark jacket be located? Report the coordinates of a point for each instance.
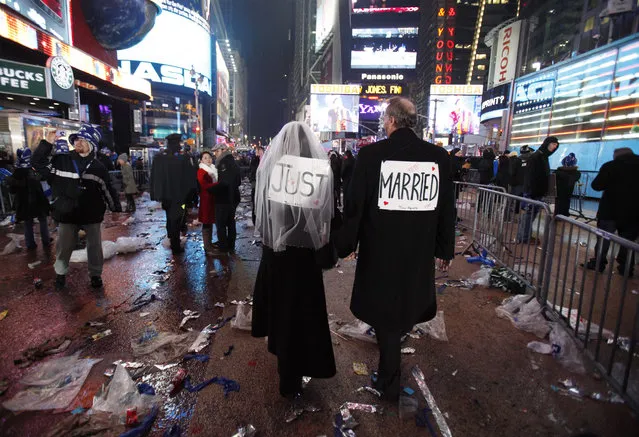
(619, 209)
(401, 202)
(336, 166)
(173, 181)
(503, 172)
(81, 190)
(348, 165)
(486, 167)
(253, 166)
(128, 182)
(567, 176)
(104, 156)
(30, 200)
(536, 178)
(227, 197)
(456, 163)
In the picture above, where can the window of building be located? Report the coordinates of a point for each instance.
(590, 24)
(481, 67)
(480, 56)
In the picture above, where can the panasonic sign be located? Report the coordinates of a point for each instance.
(368, 76)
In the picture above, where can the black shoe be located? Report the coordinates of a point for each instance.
(96, 282)
(177, 250)
(60, 281)
(622, 271)
(592, 265)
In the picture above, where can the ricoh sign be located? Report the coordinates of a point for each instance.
(506, 53)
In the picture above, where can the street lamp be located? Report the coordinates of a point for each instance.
(198, 81)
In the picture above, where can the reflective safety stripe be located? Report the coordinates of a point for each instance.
(66, 174)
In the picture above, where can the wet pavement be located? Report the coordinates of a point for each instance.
(484, 379)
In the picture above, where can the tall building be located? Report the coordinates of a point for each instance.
(603, 23)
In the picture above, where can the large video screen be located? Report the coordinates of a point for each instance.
(389, 48)
(50, 15)
(335, 112)
(455, 113)
(366, 4)
(178, 41)
(372, 109)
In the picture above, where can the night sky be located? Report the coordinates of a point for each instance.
(262, 28)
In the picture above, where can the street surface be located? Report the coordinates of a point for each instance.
(484, 379)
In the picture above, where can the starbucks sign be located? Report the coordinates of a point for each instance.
(23, 79)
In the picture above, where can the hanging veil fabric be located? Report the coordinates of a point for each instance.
(294, 191)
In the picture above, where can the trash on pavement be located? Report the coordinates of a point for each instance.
(228, 384)
(131, 417)
(12, 245)
(163, 347)
(33, 265)
(228, 352)
(245, 431)
(430, 401)
(174, 431)
(188, 315)
(243, 317)
(409, 391)
(129, 221)
(459, 283)
(144, 314)
(146, 389)
(219, 305)
(525, 313)
(121, 395)
(595, 330)
(83, 425)
(408, 350)
(360, 368)
(37, 283)
(128, 364)
(359, 330)
(481, 277)
(144, 427)
(178, 380)
(4, 385)
(78, 410)
(565, 350)
(435, 328)
(52, 385)
(102, 334)
(305, 381)
(165, 366)
(422, 421)
(4, 314)
(49, 347)
(299, 407)
(407, 406)
(501, 277)
(140, 302)
(199, 357)
(370, 390)
(202, 340)
(540, 347)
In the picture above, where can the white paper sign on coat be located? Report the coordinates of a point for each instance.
(300, 182)
(408, 186)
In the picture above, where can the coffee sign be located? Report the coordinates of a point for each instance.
(22, 79)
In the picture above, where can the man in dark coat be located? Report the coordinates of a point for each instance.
(336, 166)
(536, 185)
(253, 166)
(486, 167)
(567, 176)
(348, 165)
(30, 200)
(227, 197)
(173, 181)
(400, 210)
(104, 156)
(619, 208)
(81, 190)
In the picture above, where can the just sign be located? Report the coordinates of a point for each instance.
(299, 181)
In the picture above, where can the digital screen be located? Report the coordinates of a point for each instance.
(389, 48)
(371, 109)
(366, 4)
(324, 21)
(223, 101)
(458, 114)
(334, 112)
(50, 15)
(174, 45)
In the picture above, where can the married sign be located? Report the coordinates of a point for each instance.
(408, 186)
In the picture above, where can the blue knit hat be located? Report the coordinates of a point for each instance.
(24, 158)
(569, 161)
(87, 132)
(61, 147)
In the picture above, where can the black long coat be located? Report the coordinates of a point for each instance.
(173, 179)
(394, 282)
(30, 201)
(290, 308)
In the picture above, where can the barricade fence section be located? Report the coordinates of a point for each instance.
(597, 305)
(466, 197)
(6, 200)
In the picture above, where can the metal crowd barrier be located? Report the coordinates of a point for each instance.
(598, 307)
(466, 196)
(6, 200)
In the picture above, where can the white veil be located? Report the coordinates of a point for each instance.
(294, 191)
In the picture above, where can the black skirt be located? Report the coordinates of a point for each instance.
(289, 307)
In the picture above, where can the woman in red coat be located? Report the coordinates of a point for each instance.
(207, 178)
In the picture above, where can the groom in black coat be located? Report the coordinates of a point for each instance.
(400, 209)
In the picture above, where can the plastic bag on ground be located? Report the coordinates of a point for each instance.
(243, 317)
(524, 315)
(129, 244)
(565, 350)
(540, 347)
(571, 315)
(359, 330)
(163, 347)
(481, 277)
(435, 328)
(53, 384)
(12, 245)
(503, 278)
(121, 394)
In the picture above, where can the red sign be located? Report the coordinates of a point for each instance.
(445, 44)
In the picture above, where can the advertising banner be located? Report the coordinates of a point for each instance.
(49, 15)
(494, 101)
(456, 114)
(506, 53)
(387, 48)
(23, 79)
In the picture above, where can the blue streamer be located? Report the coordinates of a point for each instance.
(199, 357)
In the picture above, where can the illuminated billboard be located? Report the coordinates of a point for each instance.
(179, 41)
(455, 113)
(50, 15)
(223, 99)
(371, 109)
(383, 4)
(387, 48)
(324, 21)
(335, 108)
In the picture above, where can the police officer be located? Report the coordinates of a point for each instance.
(400, 210)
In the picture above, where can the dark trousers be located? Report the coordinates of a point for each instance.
(174, 219)
(130, 203)
(225, 224)
(630, 232)
(390, 360)
(253, 201)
